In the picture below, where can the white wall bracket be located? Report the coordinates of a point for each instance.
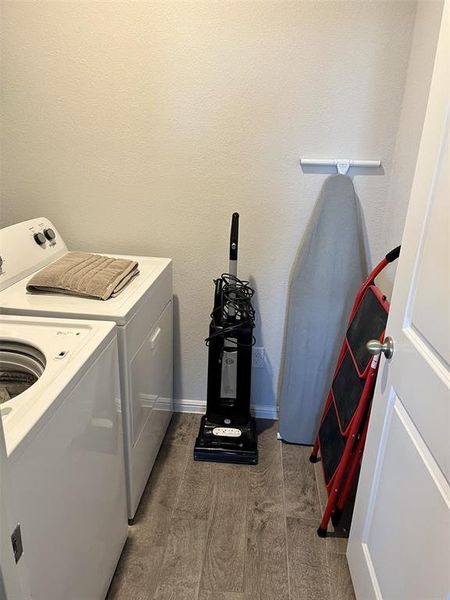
(342, 164)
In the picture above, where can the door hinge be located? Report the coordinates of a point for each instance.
(16, 541)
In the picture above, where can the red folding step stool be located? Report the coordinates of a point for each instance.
(343, 426)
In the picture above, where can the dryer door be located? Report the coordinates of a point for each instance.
(151, 380)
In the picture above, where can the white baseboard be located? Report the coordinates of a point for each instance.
(199, 407)
(190, 406)
(265, 412)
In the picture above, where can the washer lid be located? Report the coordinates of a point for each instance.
(48, 355)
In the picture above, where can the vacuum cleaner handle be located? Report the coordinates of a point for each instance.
(234, 235)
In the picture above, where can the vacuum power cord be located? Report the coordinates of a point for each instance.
(235, 310)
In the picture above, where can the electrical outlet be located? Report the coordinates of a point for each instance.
(258, 358)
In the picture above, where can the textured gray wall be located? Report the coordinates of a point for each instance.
(139, 127)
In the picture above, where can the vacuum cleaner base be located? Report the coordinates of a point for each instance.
(230, 443)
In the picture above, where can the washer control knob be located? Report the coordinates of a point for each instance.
(39, 238)
(49, 234)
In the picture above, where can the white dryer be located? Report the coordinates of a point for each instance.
(62, 421)
(143, 313)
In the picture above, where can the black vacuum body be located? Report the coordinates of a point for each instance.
(227, 430)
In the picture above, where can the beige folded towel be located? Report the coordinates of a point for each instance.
(86, 275)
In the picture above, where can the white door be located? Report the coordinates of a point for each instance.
(399, 545)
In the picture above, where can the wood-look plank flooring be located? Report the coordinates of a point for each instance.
(207, 531)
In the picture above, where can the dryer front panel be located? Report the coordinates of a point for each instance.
(150, 386)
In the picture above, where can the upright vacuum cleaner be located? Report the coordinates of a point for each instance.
(228, 431)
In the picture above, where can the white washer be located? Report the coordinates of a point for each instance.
(144, 316)
(63, 433)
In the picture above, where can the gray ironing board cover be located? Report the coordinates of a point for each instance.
(326, 274)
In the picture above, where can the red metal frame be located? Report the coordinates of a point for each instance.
(340, 483)
(353, 468)
(385, 304)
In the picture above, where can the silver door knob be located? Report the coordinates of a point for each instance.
(376, 347)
